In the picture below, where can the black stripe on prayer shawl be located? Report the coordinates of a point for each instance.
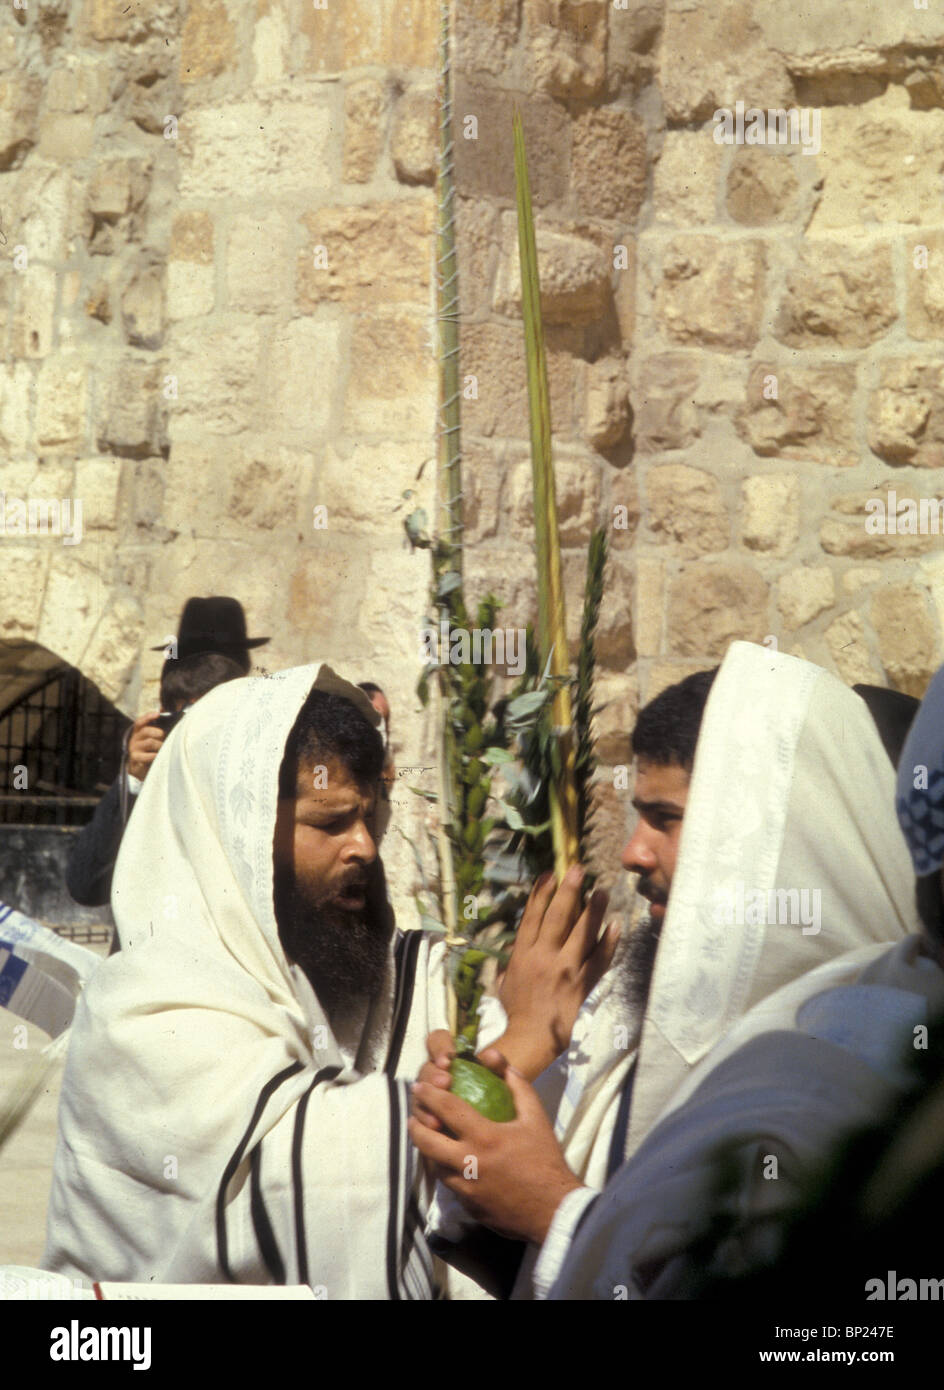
(298, 1184)
(617, 1151)
(407, 950)
(393, 1223)
(268, 1246)
(267, 1091)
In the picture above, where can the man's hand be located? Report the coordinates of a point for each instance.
(441, 1047)
(144, 744)
(510, 1176)
(555, 963)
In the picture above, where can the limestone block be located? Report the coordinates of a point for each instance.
(577, 485)
(98, 483)
(771, 518)
(364, 129)
(391, 388)
(609, 163)
(574, 274)
(302, 367)
(20, 96)
(189, 289)
(907, 640)
(826, 36)
(217, 378)
(685, 183)
(114, 650)
(192, 238)
(142, 311)
(650, 605)
(82, 86)
(15, 389)
(906, 413)
(837, 294)
(117, 187)
(34, 320)
(494, 354)
(618, 702)
(258, 262)
(190, 272)
(385, 33)
(103, 20)
(607, 402)
(624, 296)
(260, 149)
(61, 402)
(484, 155)
(621, 515)
(73, 604)
(483, 488)
(413, 140)
(98, 301)
(268, 488)
(22, 581)
(884, 165)
(805, 593)
(477, 246)
(46, 198)
(631, 62)
(711, 606)
(130, 410)
(841, 537)
(664, 403)
(860, 577)
(270, 46)
(924, 272)
(762, 187)
(615, 638)
(486, 31)
(508, 573)
(376, 505)
(685, 505)
(566, 45)
(846, 640)
(64, 137)
(357, 255)
(712, 291)
(208, 43)
(801, 413)
(712, 57)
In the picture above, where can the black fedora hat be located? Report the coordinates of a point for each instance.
(213, 625)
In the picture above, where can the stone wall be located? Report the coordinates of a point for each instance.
(216, 297)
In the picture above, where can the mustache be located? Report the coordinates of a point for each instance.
(646, 889)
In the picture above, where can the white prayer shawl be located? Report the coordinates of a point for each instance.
(212, 1127)
(791, 789)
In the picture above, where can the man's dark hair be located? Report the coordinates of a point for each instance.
(328, 726)
(190, 677)
(667, 729)
(370, 688)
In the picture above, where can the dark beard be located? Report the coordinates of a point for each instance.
(343, 953)
(637, 965)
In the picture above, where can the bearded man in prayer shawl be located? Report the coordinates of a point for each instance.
(791, 792)
(233, 1108)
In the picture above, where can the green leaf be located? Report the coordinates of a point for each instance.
(495, 756)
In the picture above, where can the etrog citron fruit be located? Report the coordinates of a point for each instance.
(483, 1089)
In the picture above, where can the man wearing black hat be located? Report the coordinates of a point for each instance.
(211, 647)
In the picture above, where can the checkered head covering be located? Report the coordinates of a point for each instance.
(920, 796)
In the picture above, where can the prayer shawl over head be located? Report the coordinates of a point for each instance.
(212, 1126)
(790, 805)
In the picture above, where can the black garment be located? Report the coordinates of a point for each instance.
(92, 861)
